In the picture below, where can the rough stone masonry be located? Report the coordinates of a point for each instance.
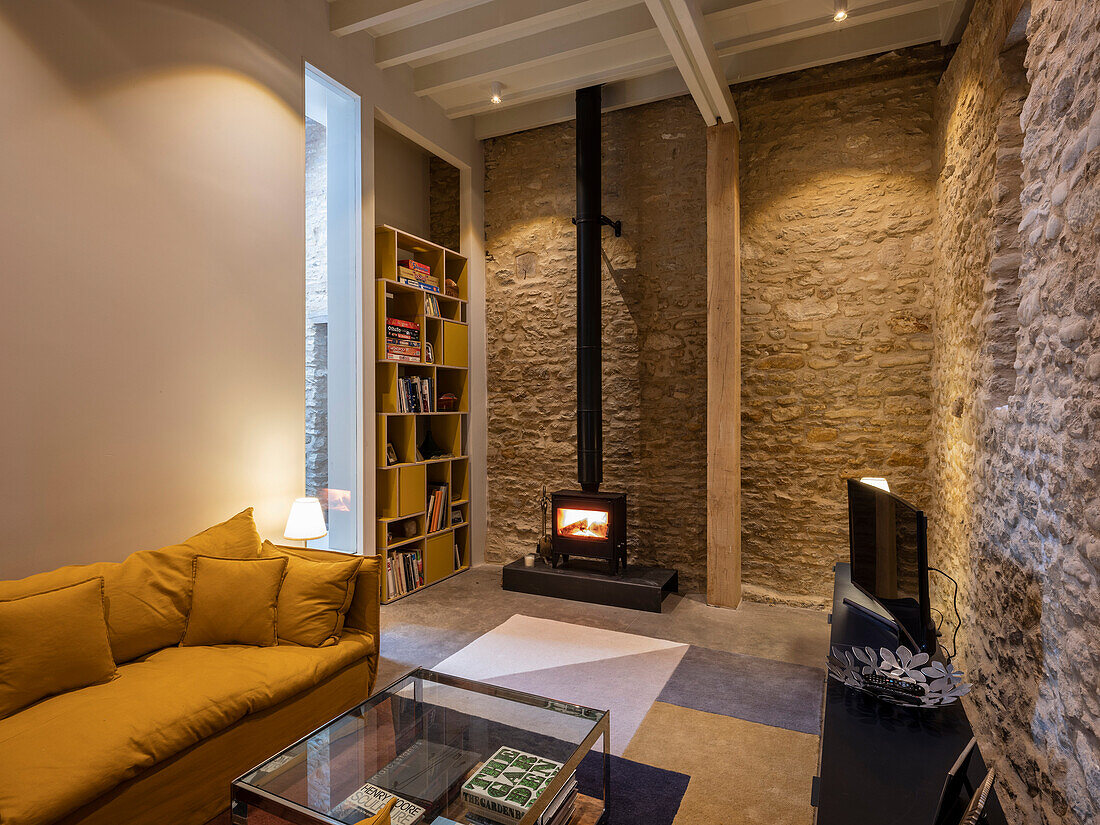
(838, 215)
(1016, 446)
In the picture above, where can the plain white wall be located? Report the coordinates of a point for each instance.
(401, 182)
(152, 249)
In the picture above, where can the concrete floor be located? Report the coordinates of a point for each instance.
(425, 628)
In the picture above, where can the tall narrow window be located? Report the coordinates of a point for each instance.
(333, 289)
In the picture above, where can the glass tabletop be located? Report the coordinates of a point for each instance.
(448, 750)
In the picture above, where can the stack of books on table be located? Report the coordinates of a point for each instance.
(402, 340)
(437, 507)
(404, 572)
(424, 778)
(415, 394)
(415, 273)
(504, 788)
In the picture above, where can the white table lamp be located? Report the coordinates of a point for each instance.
(306, 520)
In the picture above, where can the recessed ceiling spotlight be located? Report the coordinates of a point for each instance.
(840, 11)
(497, 91)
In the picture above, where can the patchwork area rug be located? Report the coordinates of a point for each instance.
(698, 736)
(727, 739)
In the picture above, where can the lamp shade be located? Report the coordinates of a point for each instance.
(881, 483)
(306, 520)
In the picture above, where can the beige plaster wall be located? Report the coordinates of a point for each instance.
(152, 255)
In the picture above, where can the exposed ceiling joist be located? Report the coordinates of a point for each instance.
(683, 30)
(697, 37)
(744, 64)
(568, 41)
(484, 25)
(350, 16)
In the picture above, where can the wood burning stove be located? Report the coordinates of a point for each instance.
(589, 525)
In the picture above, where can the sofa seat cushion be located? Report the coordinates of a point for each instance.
(69, 749)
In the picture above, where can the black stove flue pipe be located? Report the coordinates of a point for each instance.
(589, 323)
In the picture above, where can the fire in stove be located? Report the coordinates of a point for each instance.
(589, 524)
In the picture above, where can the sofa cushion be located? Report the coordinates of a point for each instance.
(149, 594)
(70, 749)
(363, 613)
(233, 601)
(52, 642)
(315, 596)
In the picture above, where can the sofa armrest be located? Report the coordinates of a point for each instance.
(364, 612)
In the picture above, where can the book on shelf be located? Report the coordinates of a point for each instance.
(369, 800)
(431, 306)
(415, 394)
(437, 507)
(404, 571)
(403, 324)
(503, 789)
(458, 557)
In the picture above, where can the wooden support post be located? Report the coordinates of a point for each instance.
(723, 367)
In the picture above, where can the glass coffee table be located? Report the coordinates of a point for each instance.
(450, 750)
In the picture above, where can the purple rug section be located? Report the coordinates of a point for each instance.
(779, 694)
(639, 793)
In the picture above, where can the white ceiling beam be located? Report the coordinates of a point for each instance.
(699, 42)
(746, 63)
(350, 16)
(486, 24)
(570, 40)
(667, 26)
(687, 37)
(731, 39)
(956, 14)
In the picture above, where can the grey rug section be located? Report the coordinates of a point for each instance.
(779, 694)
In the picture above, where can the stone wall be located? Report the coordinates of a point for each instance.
(654, 314)
(1016, 444)
(837, 245)
(444, 198)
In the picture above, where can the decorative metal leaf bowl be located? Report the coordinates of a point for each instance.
(939, 685)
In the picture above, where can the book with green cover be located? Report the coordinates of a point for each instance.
(508, 783)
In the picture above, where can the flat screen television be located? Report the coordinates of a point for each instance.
(889, 554)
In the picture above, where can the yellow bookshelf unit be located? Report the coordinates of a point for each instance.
(423, 412)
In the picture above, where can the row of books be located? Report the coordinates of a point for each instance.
(431, 306)
(417, 274)
(404, 572)
(402, 340)
(415, 394)
(505, 786)
(438, 512)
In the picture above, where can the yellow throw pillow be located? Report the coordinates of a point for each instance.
(53, 642)
(149, 593)
(234, 602)
(315, 597)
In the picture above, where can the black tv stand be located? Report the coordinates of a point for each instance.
(881, 763)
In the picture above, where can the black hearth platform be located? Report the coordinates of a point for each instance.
(636, 587)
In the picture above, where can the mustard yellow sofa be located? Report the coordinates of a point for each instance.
(161, 741)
